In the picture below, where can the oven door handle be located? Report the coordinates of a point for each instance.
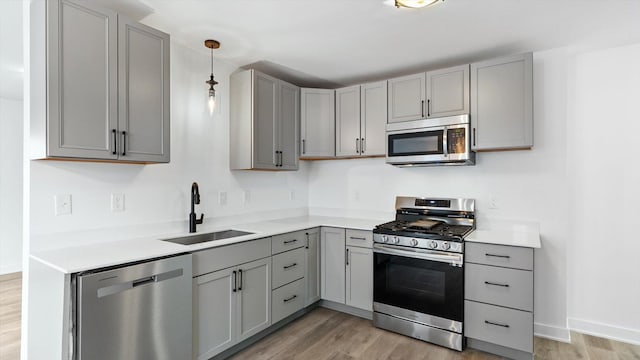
(451, 258)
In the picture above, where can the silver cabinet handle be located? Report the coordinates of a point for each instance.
(304, 147)
(290, 266)
(291, 298)
(496, 284)
(496, 324)
(347, 258)
(234, 280)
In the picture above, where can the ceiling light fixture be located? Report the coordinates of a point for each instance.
(212, 44)
(415, 4)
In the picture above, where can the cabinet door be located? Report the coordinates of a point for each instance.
(289, 120)
(448, 91)
(373, 118)
(254, 298)
(348, 121)
(406, 98)
(359, 287)
(317, 123)
(82, 87)
(214, 313)
(332, 246)
(502, 103)
(312, 276)
(265, 123)
(143, 117)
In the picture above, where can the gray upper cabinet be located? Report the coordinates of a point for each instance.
(361, 117)
(143, 116)
(448, 92)
(264, 122)
(438, 93)
(348, 140)
(502, 103)
(406, 98)
(105, 81)
(317, 123)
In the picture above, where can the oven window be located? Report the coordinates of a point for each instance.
(424, 286)
(418, 143)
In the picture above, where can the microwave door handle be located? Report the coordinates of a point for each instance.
(445, 150)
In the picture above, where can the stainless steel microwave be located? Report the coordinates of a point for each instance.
(428, 142)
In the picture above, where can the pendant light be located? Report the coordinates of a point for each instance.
(415, 4)
(212, 44)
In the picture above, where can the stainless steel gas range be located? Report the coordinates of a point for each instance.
(418, 269)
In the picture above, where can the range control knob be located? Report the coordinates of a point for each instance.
(383, 238)
(395, 240)
(414, 242)
(445, 246)
(433, 244)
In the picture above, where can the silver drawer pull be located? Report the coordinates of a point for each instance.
(498, 256)
(496, 324)
(290, 241)
(357, 238)
(292, 265)
(496, 284)
(291, 298)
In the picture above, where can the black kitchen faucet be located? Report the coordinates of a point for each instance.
(195, 199)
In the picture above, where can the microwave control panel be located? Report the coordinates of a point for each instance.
(456, 141)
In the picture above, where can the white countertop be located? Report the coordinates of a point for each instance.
(74, 259)
(93, 256)
(529, 239)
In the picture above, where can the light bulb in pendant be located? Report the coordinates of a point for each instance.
(212, 100)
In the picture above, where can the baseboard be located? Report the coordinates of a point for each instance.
(347, 309)
(556, 333)
(9, 269)
(617, 333)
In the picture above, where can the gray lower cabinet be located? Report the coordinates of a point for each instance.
(102, 90)
(234, 303)
(332, 247)
(264, 122)
(312, 275)
(359, 278)
(289, 271)
(502, 103)
(499, 299)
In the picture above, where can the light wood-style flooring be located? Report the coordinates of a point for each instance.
(325, 334)
(10, 313)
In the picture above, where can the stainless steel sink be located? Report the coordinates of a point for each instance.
(201, 238)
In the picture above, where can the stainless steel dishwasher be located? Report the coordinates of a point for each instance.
(141, 311)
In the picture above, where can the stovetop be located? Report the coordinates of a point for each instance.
(428, 229)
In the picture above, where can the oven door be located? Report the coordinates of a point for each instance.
(419, 285)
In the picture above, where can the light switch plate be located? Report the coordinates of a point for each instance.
(222, 198)
(62, 204)
(117, 202)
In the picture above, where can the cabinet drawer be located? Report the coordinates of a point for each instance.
(498, 325)
(288, 241)
(499, 255)
(499, 286)
(360, 238)
(287, 267)
(218, 258)
(287, 300)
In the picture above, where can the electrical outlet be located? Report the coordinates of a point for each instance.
(222, 198)
(63, 204)
(246, 196)
(493, 203)
(292, 195)
(117, 202)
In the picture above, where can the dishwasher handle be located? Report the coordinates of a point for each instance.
(128, 285)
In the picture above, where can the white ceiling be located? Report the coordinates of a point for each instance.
(342, 42)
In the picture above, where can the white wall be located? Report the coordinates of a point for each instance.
(526, 185)
(11, 125)
(604, 266)
(161, 193)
